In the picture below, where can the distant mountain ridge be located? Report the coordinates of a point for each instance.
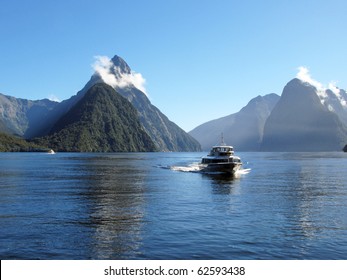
(23, 117)
(244, 129)
(304, 118)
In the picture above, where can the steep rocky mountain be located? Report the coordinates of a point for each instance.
(300, 121)
(166, 135)
(244, 129)
(23, 117)
(101, 121)
(4, 128)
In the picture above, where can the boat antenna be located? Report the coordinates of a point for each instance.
(222, 143)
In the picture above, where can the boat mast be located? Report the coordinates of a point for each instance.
(222, 143)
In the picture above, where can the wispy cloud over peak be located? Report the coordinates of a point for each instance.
(113, 76)
(332, 86)
(305, 76)
(52, 97)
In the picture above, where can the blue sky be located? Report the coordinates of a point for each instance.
(201, 59)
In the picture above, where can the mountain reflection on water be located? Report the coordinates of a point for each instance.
(116, 206)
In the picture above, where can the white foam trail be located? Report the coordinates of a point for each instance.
(239, 173)
(194, 167)
(243, 171)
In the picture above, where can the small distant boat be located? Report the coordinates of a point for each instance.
(51, 152)
(221, 159)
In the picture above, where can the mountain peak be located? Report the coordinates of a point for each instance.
(301, 122)
(120, 63)
(297, 89)
(116, 73)
(296, 82)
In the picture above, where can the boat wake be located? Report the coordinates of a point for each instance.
(241, 172)
(198, 168)
(194, 167)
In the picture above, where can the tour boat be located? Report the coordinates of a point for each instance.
(221, 159)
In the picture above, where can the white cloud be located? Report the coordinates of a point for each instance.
(136, 79)
(103, 66)
(52, 97)
(332, 86)
(106, 69)
(304, 75)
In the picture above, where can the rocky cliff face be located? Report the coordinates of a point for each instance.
(23, 117)
(335, 101)
(301, 122)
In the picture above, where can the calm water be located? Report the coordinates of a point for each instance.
(151, 206)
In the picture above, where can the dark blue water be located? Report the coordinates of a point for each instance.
(138, 206)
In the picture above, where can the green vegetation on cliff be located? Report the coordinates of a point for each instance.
(102, 121)
(10, 143)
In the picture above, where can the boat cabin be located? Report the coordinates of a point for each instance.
(221, 151)
(221, 154)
